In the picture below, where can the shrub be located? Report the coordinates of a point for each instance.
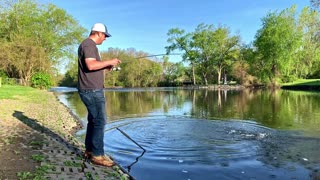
(3, 74)
(41, 80)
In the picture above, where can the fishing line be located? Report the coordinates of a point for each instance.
(127, 136)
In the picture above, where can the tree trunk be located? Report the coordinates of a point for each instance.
(204, 75)
(193, 75)
(219, 75)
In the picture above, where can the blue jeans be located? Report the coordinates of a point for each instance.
(95, 102)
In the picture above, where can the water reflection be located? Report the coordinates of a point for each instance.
(277, 109)
(201, 134)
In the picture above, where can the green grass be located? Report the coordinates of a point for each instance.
(21, 92)
(72, 164)
(304, 82)
(39, 173)
(10, 91)
(37, 157)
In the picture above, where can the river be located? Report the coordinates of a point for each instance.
(184, 134)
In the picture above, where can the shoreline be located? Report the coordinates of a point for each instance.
(37, 138)
(80, 126)
(79, 144)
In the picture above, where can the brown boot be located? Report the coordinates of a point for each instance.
(87, 155)
(102, 160)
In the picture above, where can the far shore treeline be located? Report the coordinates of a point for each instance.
(37, 40)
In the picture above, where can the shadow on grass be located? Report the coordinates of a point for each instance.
(34, 124)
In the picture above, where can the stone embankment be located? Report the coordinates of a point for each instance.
(37, 141)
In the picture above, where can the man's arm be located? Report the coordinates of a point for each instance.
(93, 64)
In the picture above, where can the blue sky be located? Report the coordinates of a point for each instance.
(143, 24)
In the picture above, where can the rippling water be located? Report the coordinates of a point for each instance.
(181, 139)
(180, 147)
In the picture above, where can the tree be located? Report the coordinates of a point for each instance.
(241, 68)
(216, 49)
(45, 31)
(152, 74)
(137, 70)
(309, 53)
(70, 78)
(173, 72)
(207, 49)
(277, 42)
(180, 40)
(22, 58)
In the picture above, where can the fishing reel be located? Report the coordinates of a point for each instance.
(116, 69)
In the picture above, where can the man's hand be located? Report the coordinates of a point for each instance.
(115, 61)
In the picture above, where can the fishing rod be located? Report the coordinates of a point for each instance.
(155, 55)
(137, 158)
(140, 57)
(127, 136)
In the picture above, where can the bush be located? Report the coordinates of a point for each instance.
(287, 79)
(41, 80)
(3, 74)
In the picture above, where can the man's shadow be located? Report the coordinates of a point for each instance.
(34, 124)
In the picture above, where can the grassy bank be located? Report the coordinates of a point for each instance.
(13, 92)
(303, 84)
(40, 105)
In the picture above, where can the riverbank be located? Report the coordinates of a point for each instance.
(37, 141)
(303, 84)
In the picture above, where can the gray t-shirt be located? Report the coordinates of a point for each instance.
(89, 79)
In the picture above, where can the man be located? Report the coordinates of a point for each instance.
(90, 87)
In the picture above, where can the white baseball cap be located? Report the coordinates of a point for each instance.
(100, 28)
